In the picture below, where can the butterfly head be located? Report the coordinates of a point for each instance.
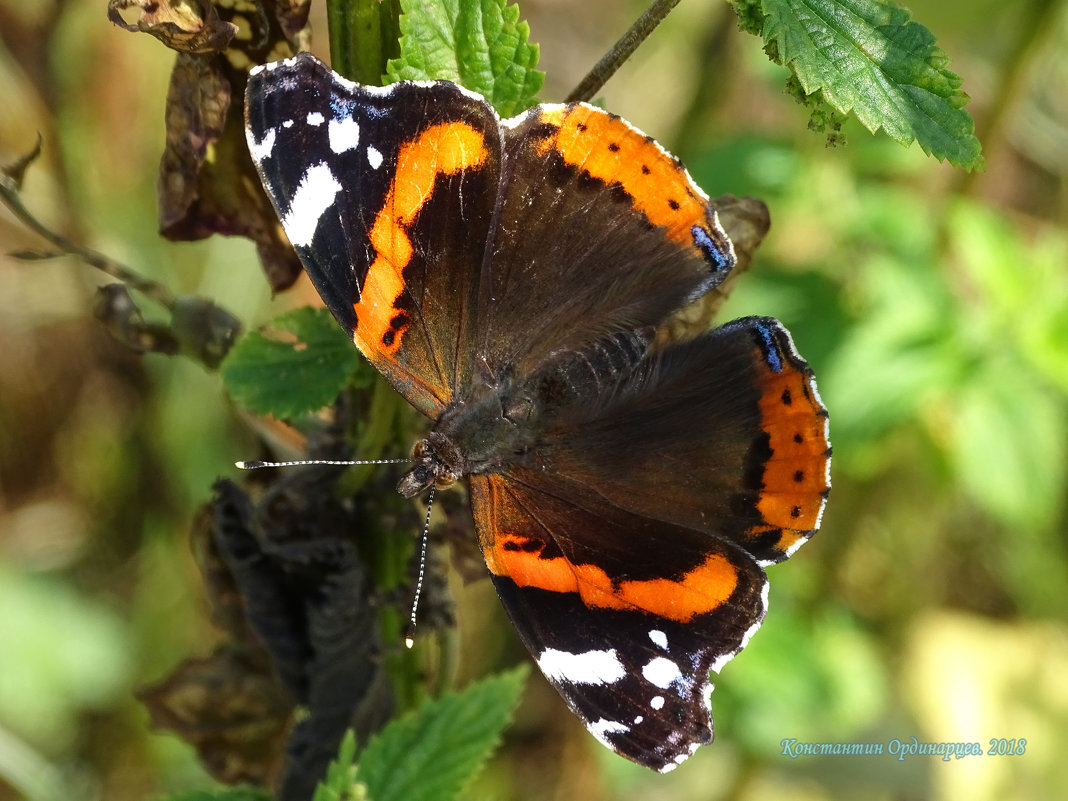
(438, 463)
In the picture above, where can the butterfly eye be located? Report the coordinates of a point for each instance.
(445, 480)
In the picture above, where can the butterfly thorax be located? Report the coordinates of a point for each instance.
(474, 434)
(497, 422)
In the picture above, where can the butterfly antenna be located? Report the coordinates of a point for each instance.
(255, 464)
(409, 637)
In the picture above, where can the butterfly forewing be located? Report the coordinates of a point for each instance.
(387, 196)
(598, 231)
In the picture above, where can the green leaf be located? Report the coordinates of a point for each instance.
(341, 783)
(240, 793)
(432, 753)
(299, 367)
(868, 58)
(1008, 446)
(480, 44)
(61, 653)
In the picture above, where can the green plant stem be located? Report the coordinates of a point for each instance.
(364, 35)
(622, 50)
(375, 434)
(382, 429)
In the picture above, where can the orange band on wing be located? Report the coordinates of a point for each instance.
(442, 149)
(795, 478)
(701, 590)
(607, 148)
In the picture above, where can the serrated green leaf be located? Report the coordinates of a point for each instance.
(432, 753)
(341, 783)
(867, 57)
(299, 367)
(479, 44)
(240, 793)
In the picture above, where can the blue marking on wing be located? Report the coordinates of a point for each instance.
(720, 261)
(769, 347)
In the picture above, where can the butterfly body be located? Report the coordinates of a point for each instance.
(500, 420)
(508, 278)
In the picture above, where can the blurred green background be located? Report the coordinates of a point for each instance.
(932, 305)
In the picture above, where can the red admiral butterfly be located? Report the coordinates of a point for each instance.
(508, 277)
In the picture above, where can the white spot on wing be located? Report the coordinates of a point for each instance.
(314, 195)
(602, 728)
(659, 638)
(589, 667)
(661, 672)
(261, 150)
(315, 118)
(344, 134)
(657, 702)
(374, 158)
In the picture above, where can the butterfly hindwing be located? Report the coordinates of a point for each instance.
(387, 195)
(628, 545)
(628, 645)
(724, 434)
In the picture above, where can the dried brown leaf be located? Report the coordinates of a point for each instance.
(229, 707)
(188, 26)
(114, 306)
(207, 182)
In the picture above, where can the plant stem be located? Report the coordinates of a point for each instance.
(622, 50)
(364, 35)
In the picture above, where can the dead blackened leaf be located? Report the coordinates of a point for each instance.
(305, 592)
(230, 706)
(208, 184)
(287, 583)
(189, 26)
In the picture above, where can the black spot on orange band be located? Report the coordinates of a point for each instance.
(608, 149)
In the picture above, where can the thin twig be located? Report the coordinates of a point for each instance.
(622, 50)
(10, 182)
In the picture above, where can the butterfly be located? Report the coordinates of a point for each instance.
(508, 278)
